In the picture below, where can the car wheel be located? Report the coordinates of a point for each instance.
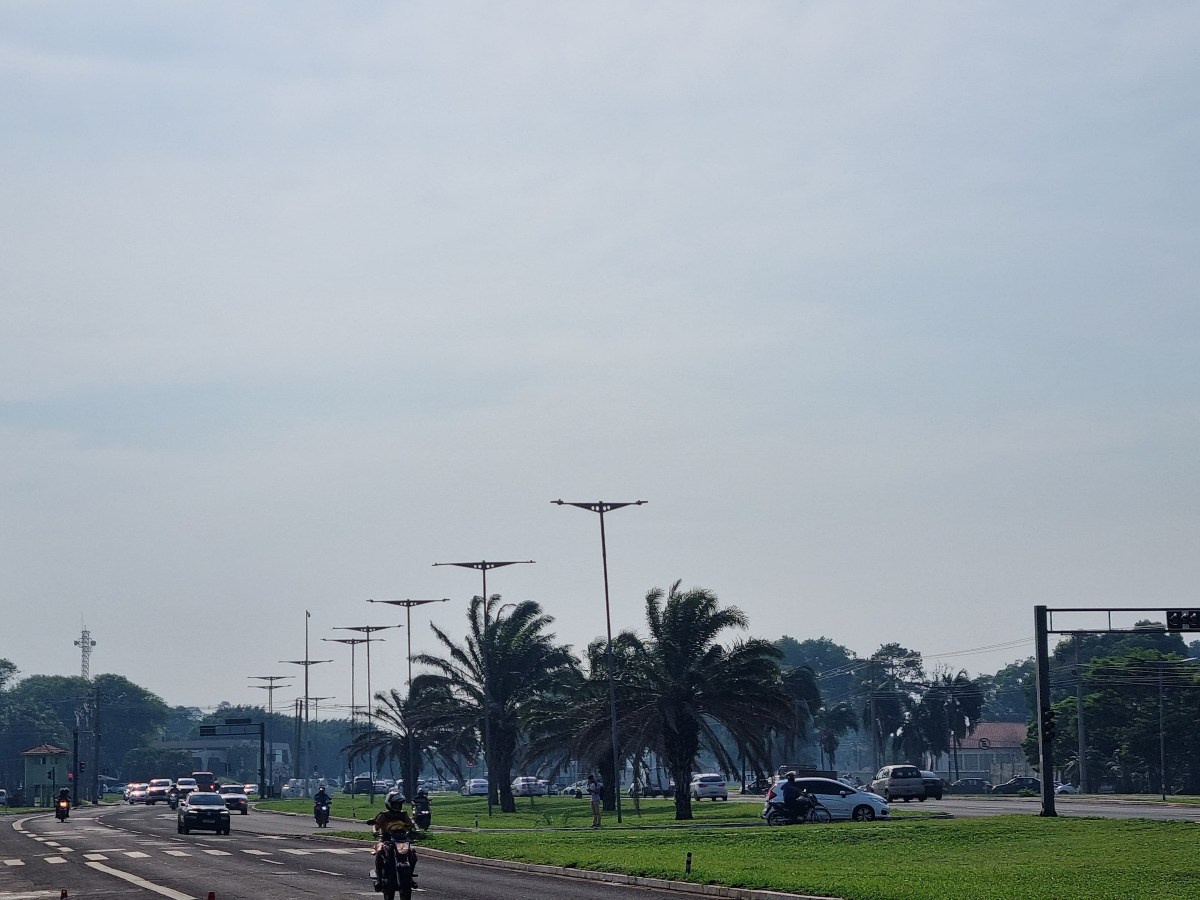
(908, 799)
(245, 811)
(863, 814)
(887, 795)
(922, 798)
(186, 830)
(179, 828)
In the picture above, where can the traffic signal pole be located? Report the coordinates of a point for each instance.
(1045, 712)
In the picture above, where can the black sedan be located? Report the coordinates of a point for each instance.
(971, 786)
(1018, 785)
(203, 810)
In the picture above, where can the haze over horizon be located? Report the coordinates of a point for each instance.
(888, 312)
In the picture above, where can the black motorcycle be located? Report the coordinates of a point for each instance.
(394, 859)
(173, 801)
(321, 814)
(62, 809)
(807, 808)
(422, 814)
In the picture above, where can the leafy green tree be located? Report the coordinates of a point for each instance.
(1009, 695)
(683, 682)
(523, 661)
(144, 763)
(832, 723)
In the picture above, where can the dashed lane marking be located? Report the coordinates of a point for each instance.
(14, 862)
(137, 854)
(55, 860)
(216, 852)
(98, 857)
(256, 852)
(176, 853)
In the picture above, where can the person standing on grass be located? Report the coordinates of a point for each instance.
(595, 788)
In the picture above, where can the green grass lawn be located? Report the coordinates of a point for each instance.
(914, 857)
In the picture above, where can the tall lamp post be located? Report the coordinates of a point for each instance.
(367, 631)
(412, 747)
(308, 664)
(352, 643)
(484, 566)
(603, 507)
(265, 790)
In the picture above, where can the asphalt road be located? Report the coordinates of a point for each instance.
(135, 852)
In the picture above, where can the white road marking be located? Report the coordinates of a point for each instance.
(55, 860)
(256, 852)
(137, 854)
(295, 852)
(324, 872)
(216, 852)
(95, 856)
(176, 853)
(14, 862)
(141, 882)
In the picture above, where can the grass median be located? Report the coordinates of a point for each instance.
(913, 857)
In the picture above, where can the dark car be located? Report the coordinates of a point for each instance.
(203, 809)
(206, 781)
(1017, 785)
(757, 786)
(933, 785)
(971, 786)
(157, 790)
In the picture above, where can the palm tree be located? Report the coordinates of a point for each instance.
(522, 663)
(400, 722)
(682, 683)
(832, 723)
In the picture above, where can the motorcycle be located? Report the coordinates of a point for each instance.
(321, 814)
(807, 809)
(394, 859)
(422, 815)
(62, 809)
(172, 801)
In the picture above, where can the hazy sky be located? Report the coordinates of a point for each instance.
(888, 310)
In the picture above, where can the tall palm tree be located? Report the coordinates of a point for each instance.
(522, 662)
(401, 722)
(832, 723)
(682, 682)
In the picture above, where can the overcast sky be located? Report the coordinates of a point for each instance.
(888, 310)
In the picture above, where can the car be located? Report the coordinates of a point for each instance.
(933, 785)
(474, 787)
(646, 790)
(137, 792)
(708, 786)
(1017, 785)
(551, 789)
(525, 786)
(250, 788)
(202, 810)
(899, 781)
(235, 797)
(186, 785)
(1066, 789)
(157, 790)
(3, 797)
(971, 786)
(115, 789)
(206, 781)
(842, 800)
(758, 786)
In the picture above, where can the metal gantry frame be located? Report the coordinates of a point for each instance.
(1177, 620)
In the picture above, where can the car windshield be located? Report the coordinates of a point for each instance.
(231, 789)
(191, 782)
(205, 800)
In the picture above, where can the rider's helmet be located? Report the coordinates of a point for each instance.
(422, 793)
(395, 801)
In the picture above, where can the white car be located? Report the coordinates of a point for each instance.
(842, 801)
(474, 787)
(524, 786)
(1066, 789)
(708, 786)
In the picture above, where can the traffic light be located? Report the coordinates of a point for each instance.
(50, 775)
(1048, 723)
(82, 766)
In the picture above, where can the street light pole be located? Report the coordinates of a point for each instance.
(307, 663)
(265, 790)
(412, 747)
(483, 566)
(602, 507)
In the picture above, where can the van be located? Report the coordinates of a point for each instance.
(899, 782)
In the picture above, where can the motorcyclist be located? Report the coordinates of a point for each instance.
(63, 803)
(321, 799)
(793, 797)
(421, 809)
(395, 820)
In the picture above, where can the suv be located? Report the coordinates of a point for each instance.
(899, 782)
(206, 781)
(710, 786)
(185, 786)
(158, 789)
(525, 786)
(203, 809)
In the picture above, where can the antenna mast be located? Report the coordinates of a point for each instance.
(85, 645)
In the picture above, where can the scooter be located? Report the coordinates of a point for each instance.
(62, 809)
(321, 814)
(172, 801)
(394, 860)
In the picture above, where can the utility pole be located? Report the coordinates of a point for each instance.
(267, 790)
(602, 507)
(1080, 728)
